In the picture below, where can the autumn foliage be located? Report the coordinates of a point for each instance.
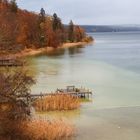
(20, 29)
(16, 121)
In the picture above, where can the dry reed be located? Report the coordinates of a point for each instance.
(38, 129)
(47, 130)
(57, 102)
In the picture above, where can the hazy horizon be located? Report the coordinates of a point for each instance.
(87, 12)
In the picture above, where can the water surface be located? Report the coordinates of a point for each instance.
(111, 68)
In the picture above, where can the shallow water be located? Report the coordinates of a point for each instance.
(111, 68)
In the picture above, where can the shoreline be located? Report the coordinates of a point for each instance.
(32, 52)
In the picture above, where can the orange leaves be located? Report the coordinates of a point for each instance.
(23, 35)
(79, 33)
(27, 29)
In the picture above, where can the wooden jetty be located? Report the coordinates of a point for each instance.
(70, 90)
(10, 61)
(78, 92)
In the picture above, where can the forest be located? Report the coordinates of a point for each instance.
(21, 29)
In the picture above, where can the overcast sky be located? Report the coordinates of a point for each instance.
(90, 12)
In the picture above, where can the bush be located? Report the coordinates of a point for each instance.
(88, 39)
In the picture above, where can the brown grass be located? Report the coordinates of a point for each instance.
(57, 102)
(38, 130)
(47, 130)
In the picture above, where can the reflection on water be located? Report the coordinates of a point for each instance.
(53, 115)
(111, 68)
(56, 52)
(75, 50)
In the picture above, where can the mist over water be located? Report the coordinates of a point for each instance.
(111, 69)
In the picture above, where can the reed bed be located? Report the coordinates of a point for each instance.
(57, 102)
(47, 130)
(37, 129)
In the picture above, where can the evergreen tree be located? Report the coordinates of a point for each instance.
(42, 15)
(71, 31)
(56, 22)
(42, 18)
(14, 6)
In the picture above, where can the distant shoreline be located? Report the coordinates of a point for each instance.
(32, 52)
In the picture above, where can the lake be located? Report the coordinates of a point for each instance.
(110, 67)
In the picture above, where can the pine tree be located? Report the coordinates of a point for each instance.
(14, 6)
(71, 31)
(42, 15)
(42, 18)
(56, 22)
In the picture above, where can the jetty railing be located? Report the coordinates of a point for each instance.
(11, 62)
(79, 93)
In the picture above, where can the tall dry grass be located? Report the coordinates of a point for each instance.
(47, 130)
(57, 102)
(38, 130)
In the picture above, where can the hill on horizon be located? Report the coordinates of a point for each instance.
(111, 28)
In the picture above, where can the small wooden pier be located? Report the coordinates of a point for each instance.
(10, 62)
(70, 90)
(77, 92)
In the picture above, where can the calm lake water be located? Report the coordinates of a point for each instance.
(111, 69)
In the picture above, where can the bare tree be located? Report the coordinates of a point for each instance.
(14, 101)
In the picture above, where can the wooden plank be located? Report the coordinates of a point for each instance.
(11, 62)
(77, 94)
